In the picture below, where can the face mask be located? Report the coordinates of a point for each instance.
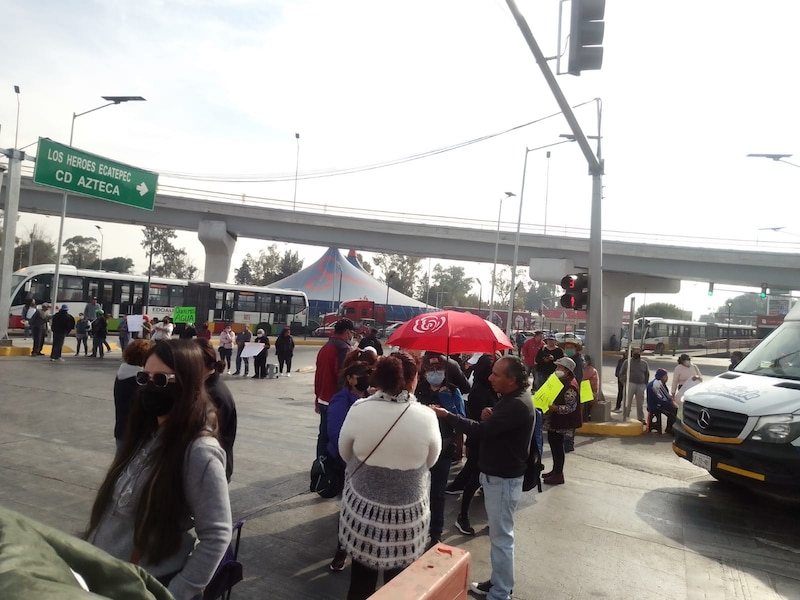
(560, 374)
(569, 352)
(687, 363)
(434, 377)
(362, 384)
(157, 401)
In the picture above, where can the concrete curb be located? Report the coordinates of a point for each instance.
(629, 428)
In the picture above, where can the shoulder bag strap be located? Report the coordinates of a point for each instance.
(380, 441)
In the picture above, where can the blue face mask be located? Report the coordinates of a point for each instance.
(435, 378)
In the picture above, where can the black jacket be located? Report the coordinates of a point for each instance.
(505, 436)
(371, 340)
(226, 418)
(62, 322)
(284, 345)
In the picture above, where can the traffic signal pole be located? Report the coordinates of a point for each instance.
(594, 321)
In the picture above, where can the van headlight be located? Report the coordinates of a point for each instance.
(776, 429)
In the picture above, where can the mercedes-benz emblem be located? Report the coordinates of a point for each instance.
(704, 419)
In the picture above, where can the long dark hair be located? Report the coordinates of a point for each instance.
(162, 502)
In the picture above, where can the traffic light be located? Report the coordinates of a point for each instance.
(586, 31)
(711, 289)
(763, 293)
(576, 291)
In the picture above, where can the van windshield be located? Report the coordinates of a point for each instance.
(777, 356)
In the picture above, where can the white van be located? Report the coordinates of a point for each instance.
(744, 425)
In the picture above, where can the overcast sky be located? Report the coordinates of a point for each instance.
(688, 89)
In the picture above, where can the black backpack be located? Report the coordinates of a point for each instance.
(327, 479)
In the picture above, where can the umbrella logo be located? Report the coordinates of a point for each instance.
(429, 324)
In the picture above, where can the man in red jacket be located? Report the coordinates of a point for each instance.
(529, 350)
(326, 379)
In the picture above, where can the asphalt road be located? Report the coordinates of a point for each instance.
(633, 521)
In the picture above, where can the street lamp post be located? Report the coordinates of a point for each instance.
(776, 157)
(496, 249)
(729, 304)
(389, 278)
(111, 100)
(296, 167)
(480, 293)
(102, 239)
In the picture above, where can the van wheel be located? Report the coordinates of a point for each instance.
(266, 327)
(660, 349)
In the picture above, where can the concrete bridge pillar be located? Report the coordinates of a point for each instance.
(219, 245)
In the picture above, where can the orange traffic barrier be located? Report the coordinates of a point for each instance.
(442, 573)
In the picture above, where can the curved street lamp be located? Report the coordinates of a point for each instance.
(496, 248)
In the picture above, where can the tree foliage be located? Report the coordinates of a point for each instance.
(116, 264)
(502, 292)
(82, 252)
(541, 294)
(663, 310)
(449, 286)
(745, 305)
(268, 267)
(44, 250)
(403, 269)
(365, 263)
(167, 260)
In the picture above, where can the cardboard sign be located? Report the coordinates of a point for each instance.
(134, 323)
(587, 395)
(184, 314)
(251, 349)
(547, 394)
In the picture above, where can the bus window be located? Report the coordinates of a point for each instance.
(264, 303)
(158, 295)
(246, 301)
(70, 288)
(40, 288)
(176, 295)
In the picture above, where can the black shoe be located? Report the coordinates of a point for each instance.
(254, 377)
(337, 564)
(482, 589)
(453, 491)
(432, 542)
(463, 525)
(237, 373)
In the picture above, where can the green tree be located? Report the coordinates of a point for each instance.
(540, 294)
(117, 264)
(167, 260)
(267, 267)
(502, 292)
(745, 305)
(365, 263)
(44, 250)
(449, 286)
(405, 268)
(82, 252)
(289, 264)
(661, 309)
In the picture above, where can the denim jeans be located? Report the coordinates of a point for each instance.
(636, 391)
(439, 474)
(500, 496)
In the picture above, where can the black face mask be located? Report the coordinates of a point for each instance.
(362, 384)
(158, 401)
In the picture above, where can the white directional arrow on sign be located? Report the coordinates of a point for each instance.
(142, 189)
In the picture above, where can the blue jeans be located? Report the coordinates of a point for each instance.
(439, 474)
(500, 495)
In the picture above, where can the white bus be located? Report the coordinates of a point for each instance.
(665, 335)
(123, 294)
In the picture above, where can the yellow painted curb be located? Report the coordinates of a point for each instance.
(630, 428)
(14, 351)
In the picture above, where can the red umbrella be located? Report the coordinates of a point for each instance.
(450, 332)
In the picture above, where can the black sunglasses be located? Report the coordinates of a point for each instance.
(160, 380)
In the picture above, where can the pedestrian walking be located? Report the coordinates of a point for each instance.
(260, 359)
(99, 334)
(505, 434)
(242, 338)
(62, 323)
(620, 375)
(330, 360)
(226, 340)
(82, 329)
(39, 323)
(635, 388)
(284, 350)
(124, 333)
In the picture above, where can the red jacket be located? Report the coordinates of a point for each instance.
(329, 362)
(529, 350)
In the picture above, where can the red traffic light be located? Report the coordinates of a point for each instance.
(577, 291)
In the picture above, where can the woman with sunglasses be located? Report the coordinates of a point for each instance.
(168, 478)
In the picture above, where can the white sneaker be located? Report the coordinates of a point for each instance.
(288, 374)
(227, 372)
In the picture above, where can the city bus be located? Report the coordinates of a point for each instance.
(662, 335)
(122, 294)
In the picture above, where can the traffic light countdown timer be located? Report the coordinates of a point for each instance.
(576, 291)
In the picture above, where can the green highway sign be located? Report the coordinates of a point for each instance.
(72, 170)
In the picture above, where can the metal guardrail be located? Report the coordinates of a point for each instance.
(578, 233)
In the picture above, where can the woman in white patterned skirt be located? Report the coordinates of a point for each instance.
(389, 442)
